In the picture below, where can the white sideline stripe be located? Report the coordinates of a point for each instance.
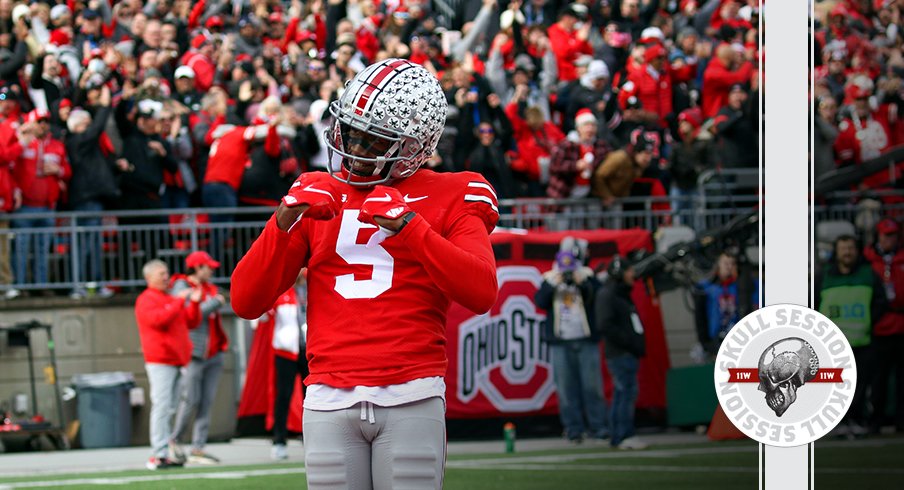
(475, 197)
(221, 475)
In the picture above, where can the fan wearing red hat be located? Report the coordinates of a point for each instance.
(200, 58)
(691, 156)
(575, 158)
(202, 374)
(41, 169)
(887, 259)
(866, 132)
(653, 84)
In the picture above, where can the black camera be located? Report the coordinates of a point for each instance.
(568, 277)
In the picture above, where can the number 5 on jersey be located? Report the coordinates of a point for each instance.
(358, 254)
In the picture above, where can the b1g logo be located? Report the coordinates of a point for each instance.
(501, 355)
(785, 375)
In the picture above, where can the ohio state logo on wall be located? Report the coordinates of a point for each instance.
(501, 355)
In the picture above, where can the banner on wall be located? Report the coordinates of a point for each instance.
(499, 365)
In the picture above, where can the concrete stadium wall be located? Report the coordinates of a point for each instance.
(99, 338)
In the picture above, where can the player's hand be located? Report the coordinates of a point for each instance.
(314, 195)
(384, 207)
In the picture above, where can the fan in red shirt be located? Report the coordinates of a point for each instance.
(568, 38)
(724, 70)
(388, 248)
(866, 133)
(41, 171)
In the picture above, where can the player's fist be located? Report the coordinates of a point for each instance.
(313, 195)
(384, 207)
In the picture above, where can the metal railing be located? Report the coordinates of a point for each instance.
(110, 248)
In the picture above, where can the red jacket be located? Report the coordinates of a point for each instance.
(532, 145)
(567, 48)
(163, 322)
(204, 69)
(38, 189)
(857, 143)
(231, 155)
(654, 90)
(891, 272)
(9, 145)
(717, 82)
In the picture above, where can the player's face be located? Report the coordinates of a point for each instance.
(365, 145)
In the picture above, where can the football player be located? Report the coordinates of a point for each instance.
(388, 247)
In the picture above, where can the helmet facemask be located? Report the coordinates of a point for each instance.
(369, 155)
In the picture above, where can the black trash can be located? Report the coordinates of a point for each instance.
(104, 411)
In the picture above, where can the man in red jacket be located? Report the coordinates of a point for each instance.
(163, 322)
(653, 84)
(723, 71)
(388, 246)
(41, 171)
(887, 259)
(568, 38)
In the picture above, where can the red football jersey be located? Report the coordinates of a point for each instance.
(376, 316)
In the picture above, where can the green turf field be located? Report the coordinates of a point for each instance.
(873, 463)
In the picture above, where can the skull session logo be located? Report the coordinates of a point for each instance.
(803, 380)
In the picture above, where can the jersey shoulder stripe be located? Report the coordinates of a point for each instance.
(481, 191)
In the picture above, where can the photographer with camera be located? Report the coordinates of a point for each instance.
(623, 336)
(567, 294)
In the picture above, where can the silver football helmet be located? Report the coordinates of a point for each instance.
(388, 122)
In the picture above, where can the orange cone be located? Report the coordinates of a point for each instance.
(721, 429)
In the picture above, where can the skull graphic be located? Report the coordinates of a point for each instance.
(784, 367)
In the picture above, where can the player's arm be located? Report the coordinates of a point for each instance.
(271, 265)
(460, 262)
(267, 270)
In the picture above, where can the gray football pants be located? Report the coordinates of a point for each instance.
(371, 447)
(199, 388)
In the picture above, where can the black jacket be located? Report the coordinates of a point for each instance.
(93, 176)
(689, 160)
(143, 184)
(613, 310)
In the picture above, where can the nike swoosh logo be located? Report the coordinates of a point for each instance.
(385, 198)
(414, 199)
(311, 188)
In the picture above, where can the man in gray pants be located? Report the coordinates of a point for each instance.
(200, 377)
